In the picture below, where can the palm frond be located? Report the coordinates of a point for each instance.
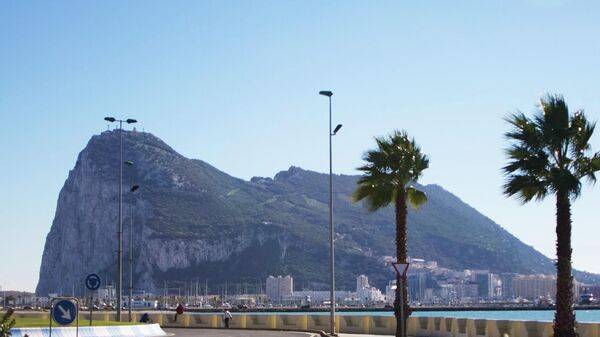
(395, 162)
(375, 196)
(565, 181)
(596, 162)
(581, 132)
(415, 197)
(548, 151)
(526, 188)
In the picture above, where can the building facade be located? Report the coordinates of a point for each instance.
(279, 287)
(361, 282)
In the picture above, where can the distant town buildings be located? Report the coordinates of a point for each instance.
(366, 294)
(428, 284)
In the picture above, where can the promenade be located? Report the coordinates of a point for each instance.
(249, 333)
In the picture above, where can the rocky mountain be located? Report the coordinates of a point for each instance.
(193, 222)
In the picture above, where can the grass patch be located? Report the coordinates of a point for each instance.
(44, 323)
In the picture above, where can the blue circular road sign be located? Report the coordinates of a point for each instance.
(92, 282)
(64, 312)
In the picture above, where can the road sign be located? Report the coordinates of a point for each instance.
(92, 282)
(64, 312)
(400, 268)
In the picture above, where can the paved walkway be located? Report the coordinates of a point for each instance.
(360, 335)
(250, 333)
(235, 333)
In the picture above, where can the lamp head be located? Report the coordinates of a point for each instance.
(128, 163)
(326, 93)
(109, 119)
(130, 121)
(134, 188)
(337, 128)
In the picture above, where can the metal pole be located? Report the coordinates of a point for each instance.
(91, 306)
(120, 229)
(331, 232)
(77, 317)
(51, 315)
(130, 252)
(401, 284)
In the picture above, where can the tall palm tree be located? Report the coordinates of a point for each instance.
(388, 174)
(550, 154)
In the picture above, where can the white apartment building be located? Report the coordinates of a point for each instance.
(534, 286)
(369, 295)
(390, 292)
(279, 287)
(361, 282)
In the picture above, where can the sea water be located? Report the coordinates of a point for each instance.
(584, 316)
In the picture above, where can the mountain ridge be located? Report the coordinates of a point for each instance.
(192, 221)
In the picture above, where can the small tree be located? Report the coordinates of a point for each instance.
(7, 323)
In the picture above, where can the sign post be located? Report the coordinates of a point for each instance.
(401, 269)
(64, 311)
(92, 282)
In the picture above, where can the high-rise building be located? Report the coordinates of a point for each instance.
(279, 287)
(533, 287)
(361, 282)
(507, 285)
(417, 284)
(466, 290)
(485, 283)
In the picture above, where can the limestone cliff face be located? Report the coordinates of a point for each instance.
(83, 236)
(193, 222)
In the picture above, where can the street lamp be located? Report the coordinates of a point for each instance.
(131, 191)
(331, 232)
(120, 216)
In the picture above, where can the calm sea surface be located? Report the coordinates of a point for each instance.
(590, 316)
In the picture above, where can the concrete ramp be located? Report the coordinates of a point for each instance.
(143, 330)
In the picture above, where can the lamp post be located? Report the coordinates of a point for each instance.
(130, 202)
(331, 232)
(131, 191)
(120, 216)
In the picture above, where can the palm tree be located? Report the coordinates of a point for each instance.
(549, 155)
(388, 174)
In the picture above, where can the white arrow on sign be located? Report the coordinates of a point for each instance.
(66, 314)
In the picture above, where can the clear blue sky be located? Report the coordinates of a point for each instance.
(235, 83)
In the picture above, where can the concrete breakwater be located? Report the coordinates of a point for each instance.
(382, 325)
(376, 325)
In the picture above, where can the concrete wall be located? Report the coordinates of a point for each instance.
(386, 325)
(376, 325)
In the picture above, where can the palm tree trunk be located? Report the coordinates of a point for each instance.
(564, 318)
(401, 256)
